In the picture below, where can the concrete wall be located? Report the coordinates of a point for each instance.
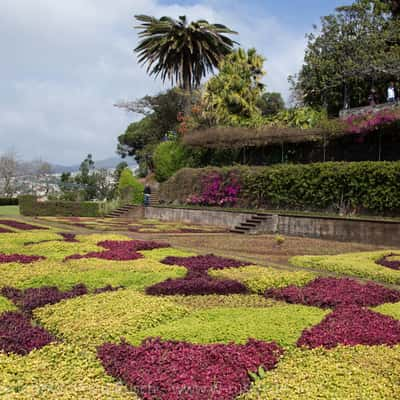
(349, 230)
(346, 230)
(198, 217)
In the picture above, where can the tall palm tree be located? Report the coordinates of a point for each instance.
(179, 51)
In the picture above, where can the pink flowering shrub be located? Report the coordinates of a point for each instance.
(18, 335)
(333, 292)
(29, 299)
(386, 262)
(217, 191)
(351, 326)
(120, 250)
(19, 258)
(370, 121)
(20, 225)
(171, 370)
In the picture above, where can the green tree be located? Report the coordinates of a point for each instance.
(270, 103)
(181, 52)
(232, 95)
(130, 188)
(159, 117)
(356, 48)
(168, 158)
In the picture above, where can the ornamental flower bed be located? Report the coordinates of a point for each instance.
(197, 281)
(120, 250)
(19, 258)
(66, 237)
(171, 370)
(197, 286)
(204, 263)
(332, 292)
(29, 299)
(389, 262)
(351, 326)
(21, 225)
(18, 335)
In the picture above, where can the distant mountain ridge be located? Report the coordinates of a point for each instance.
(111, 162)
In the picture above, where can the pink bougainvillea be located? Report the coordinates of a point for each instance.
(20, 225)
(351, 326)
(18, 335)
(32, 298)
(217, 190)
(392, 264)
(370, 121)
(332, 292)
(170, 370)
(197, 281)
(19, 258)
(120, 250)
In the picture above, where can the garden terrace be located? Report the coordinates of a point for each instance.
(78, 322)
(235, 137)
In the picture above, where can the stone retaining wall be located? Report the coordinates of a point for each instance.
(385, 233)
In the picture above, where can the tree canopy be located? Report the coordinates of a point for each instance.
(181, 52)
(357, 48)
(233, 94)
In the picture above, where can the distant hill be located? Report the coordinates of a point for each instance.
(111, 162)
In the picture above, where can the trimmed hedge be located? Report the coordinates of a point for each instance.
(8, 201)
(364, 187)
(29, 206)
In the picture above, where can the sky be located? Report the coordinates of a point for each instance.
(65, 63)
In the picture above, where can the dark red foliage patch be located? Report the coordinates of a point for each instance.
(4, 230)
(386, 262)
(120, 250)
(197, 281)
(20, 225)
(66, 237)
(204, 263)
(351, 326)
(19, 258)
(183, 371)
(29, 299)
(18, 335)
(197, 286)
(332, 292)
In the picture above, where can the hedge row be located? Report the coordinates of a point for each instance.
(357, 187)
(29, 206)
(8, 201)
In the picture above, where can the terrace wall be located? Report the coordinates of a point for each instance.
(378, 232)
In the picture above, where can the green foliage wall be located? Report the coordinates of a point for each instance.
(29, 206)
(364, 187)
(127, 182)
(168, 158)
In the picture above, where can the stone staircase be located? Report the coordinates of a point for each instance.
(252, 224)
(154, 198)
(121, 211)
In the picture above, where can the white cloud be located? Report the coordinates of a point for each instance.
(64, 64)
